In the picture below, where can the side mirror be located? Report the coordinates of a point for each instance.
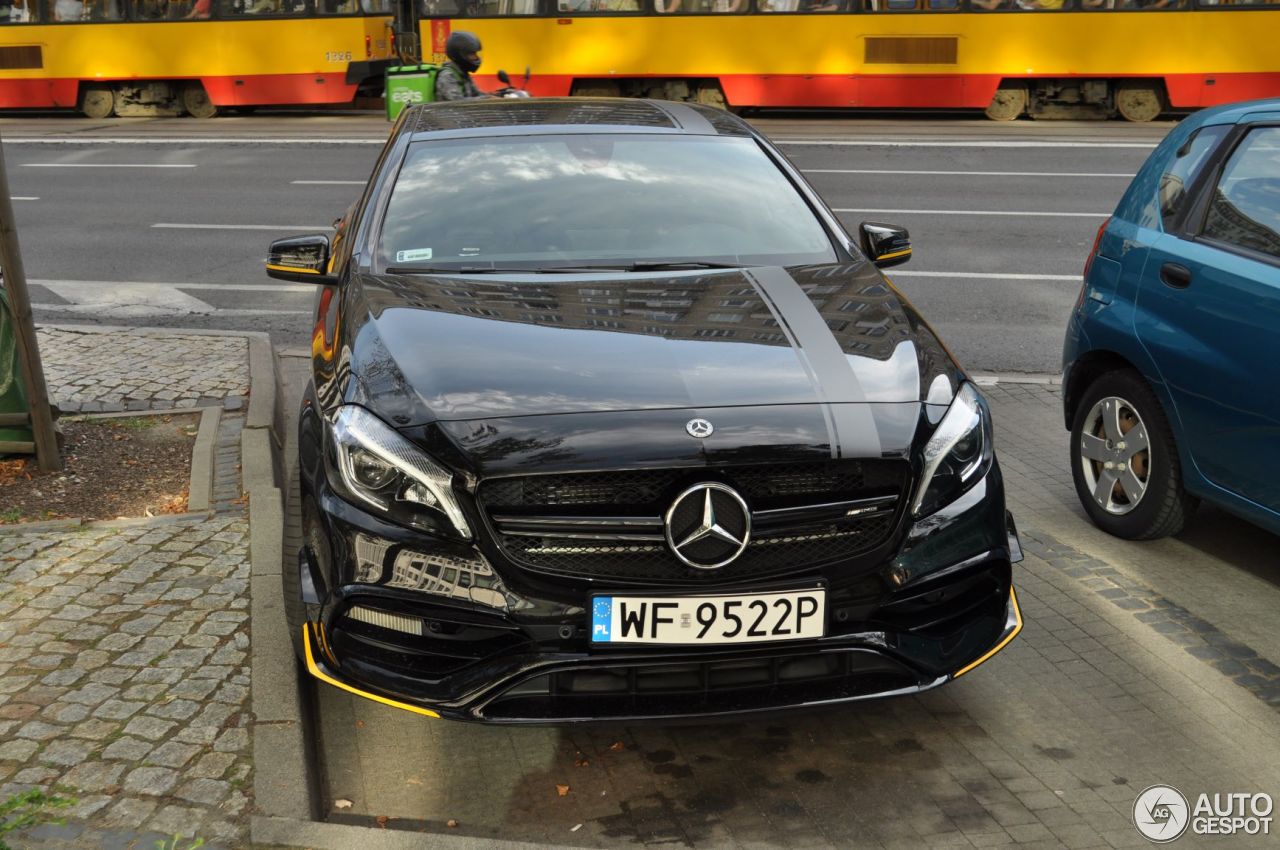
(502, 76)
(885, 244)
(302, 259)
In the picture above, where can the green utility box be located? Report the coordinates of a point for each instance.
(13, 399)
(409, 84)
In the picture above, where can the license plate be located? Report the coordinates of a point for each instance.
(685, 620)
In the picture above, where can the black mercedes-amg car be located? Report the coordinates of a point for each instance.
(610, 419)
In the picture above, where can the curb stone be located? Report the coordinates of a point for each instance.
(283, 783)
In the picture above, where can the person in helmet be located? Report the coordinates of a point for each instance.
(453, 81)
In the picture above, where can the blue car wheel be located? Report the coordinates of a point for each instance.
(1125, 460)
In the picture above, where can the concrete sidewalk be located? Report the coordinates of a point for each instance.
(124, 646)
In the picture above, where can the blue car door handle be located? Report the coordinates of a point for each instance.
(1177, 276)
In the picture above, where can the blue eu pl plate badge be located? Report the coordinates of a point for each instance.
(601, 618)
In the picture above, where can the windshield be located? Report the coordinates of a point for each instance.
(548, 201)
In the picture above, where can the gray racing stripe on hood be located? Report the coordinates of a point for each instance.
(855, 433)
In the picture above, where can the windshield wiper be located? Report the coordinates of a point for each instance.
(645, 266)
(457, 270)
(636, 266)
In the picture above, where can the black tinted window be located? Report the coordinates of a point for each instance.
(1175, 182)
(546, 200)
(1245, 209)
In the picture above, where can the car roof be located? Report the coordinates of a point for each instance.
(561, 115)
(1233, 113)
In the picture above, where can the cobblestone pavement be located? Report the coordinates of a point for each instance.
(124, 647)
(92, 371)
(1110, 688)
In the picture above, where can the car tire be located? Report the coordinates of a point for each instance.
(294, 610)
(1124, 460)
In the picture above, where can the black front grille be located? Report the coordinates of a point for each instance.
(701, 687)
(609, 525)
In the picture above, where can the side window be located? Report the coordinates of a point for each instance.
(802, 5)
(247, 8)
(72, 11)
(476, 8)
(1245, 208)
(1184, 168)
(593, 7)
(19, 12)
(701, 7)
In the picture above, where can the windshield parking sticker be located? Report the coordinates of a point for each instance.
(413, 255)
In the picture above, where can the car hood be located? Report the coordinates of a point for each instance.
(427, 348)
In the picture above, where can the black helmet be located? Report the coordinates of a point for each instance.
(462, 49)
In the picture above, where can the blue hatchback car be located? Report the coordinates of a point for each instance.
(1171, 367)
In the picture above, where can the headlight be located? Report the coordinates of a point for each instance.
(958, 454)
(378, 468)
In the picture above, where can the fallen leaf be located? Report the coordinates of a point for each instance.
(342, 804)
(562, 790)
(617, 746)
(382, 821)
(359, 724)
(451, 823)
(581, 761)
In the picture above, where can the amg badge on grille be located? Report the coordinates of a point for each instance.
(699, 428)
(708, 526)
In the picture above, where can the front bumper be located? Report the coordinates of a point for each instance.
(844, 673)
(498, 647)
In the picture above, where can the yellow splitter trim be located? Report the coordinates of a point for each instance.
(1017, 615)
(315, 670)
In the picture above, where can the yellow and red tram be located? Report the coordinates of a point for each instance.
(1049, 58)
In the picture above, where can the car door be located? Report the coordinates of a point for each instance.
(1209, 315)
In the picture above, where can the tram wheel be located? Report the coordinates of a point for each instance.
(1007, 103)
(98, 101)
(1139, 102)
(196, 101)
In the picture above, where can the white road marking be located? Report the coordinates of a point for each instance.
(23, 198)
(145, 299)
(1074, 278)
(126, 301)
(907, 143)
(973, 212)
(962, 173)
(106, 165)
(328, 182)
(224, 287)
(178, 226)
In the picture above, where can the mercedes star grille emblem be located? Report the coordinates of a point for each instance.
(699, 428)
(708, 525)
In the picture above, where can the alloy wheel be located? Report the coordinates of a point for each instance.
(1115, 455)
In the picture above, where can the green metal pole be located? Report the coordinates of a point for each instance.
(15, 284)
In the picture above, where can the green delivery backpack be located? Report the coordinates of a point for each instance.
(410, 84)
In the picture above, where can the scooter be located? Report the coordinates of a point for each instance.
(509, 90)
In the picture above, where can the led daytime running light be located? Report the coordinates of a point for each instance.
(962, 418)
(355, 424)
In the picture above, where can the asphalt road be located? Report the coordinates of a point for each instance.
(1001, 215)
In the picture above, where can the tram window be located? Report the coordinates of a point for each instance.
(808, 6)
(19, 12)
(588, 7)
(701, 7)
(1024, 5)
(1245, 210)
(478, 8)
(337, 7)
(254, 8)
